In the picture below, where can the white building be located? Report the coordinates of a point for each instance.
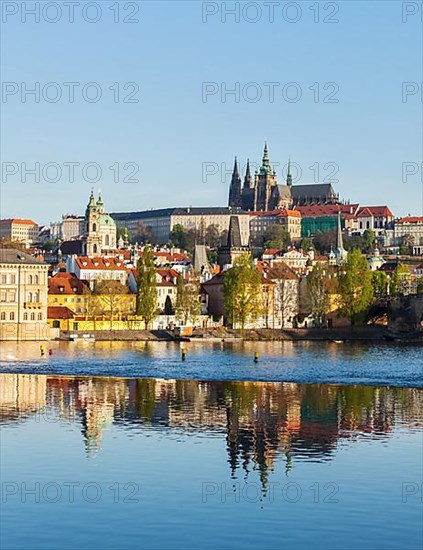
(23, 296)
(97, 269)
(21, 230)
(161, 222)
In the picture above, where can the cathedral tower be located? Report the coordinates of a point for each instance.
(235, 200)
(264, 184)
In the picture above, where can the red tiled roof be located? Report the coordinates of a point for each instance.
(279, 213)
(111, 264)
(378, 210)
(17, 221)
(315, 211)
(59, 312)
(410, 219)
(67, 282)
(271, 251)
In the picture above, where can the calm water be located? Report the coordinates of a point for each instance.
(309, 362)
(94, 462)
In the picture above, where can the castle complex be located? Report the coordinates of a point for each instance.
(265, 194)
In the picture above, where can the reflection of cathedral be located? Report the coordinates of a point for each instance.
(264, 193)
(100, 228)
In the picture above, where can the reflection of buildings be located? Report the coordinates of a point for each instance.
(264, 422)
(21, 394)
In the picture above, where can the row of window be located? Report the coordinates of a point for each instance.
(11, 279)
(32, 316)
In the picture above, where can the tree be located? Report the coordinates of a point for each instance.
(400, 280)
(188, 305)
(241, 290)
(144, 233)
(146, 304)
(276, 236)
(212, 236)
(355, 285)
(318, 292)
(420, 285)
(368, 240)
(380, 283)
(107, 297)
(178, 236)
(306, 244)
(324, 241)
(168, 308)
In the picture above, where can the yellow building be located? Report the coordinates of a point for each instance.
(72, 305)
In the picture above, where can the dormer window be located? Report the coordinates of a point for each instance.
(61, 288)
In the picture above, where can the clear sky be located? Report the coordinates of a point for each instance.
(184, 140)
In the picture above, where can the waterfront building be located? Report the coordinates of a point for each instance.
(20, 230)
(159, 223)
(23, 296)
(66, 290)
(166, 286)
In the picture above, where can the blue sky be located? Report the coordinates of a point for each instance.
(174, 134)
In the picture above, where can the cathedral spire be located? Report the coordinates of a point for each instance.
(248, 181)
(265, 166)
(340, 251)
(289, 175)
(235, 198)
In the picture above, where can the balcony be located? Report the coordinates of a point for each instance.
(33, 305)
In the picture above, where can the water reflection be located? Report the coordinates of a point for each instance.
(262, 422)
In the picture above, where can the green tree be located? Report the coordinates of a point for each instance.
(168, 308)
(400, 280)
(188, 305)
(306, 244)
(420, 285)
(368, 240)
(355, 285)
(106, 298)
(212, 236)
(318, 292)
(380, 283)
(178, 236)
(276, 236)
(146, 304)
(241, 290)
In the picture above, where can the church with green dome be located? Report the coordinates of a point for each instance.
(99, 228)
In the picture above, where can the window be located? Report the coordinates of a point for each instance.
(107, 240)
(25, 317)
(40, 316)
(3, 279)
(94, 227)
(56, 324)
(12, 279)
(36, 279)
(32, 316)
(3, 316)
(29, 296)
(3, 296)
(30, 279)
(12, 315)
